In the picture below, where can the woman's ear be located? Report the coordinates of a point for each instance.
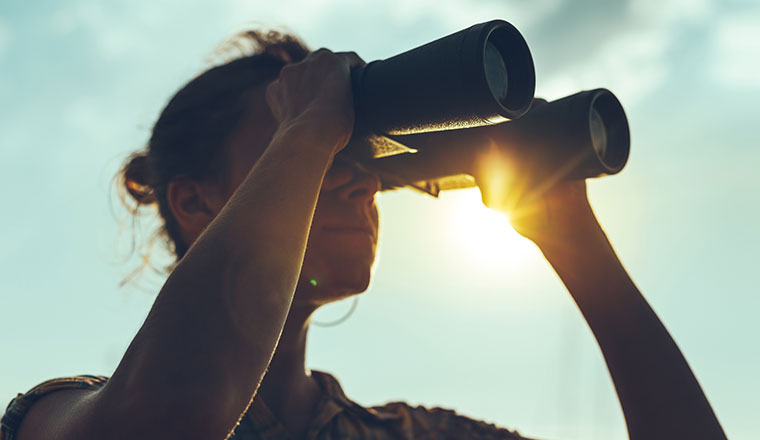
(191, 207)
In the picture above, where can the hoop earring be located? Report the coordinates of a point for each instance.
(341, 319)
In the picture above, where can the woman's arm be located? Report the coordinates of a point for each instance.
(660, 396)
(195, 365)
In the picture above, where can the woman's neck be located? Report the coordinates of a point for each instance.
(288, 389)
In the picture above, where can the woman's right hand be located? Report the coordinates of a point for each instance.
(316, 92)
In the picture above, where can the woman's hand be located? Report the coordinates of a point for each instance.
(544, 210)
(561, 214)
(540, 205)
(317, 92)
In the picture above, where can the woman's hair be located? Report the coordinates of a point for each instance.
(187, 140)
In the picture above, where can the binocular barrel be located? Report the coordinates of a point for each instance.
(478, 76)
(580, 136)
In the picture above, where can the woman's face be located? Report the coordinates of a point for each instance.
(343, 236)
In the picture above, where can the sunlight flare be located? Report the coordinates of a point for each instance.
(484, 235)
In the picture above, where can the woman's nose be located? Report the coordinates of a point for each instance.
(351, 183)
(362, 187)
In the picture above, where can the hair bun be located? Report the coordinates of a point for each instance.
(138, 179)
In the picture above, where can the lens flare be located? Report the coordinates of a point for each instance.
(499, 178)
(485, 236)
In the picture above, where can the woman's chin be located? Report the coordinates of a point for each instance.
(318, 290)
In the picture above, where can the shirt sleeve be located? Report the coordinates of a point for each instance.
(439, 423)
(18, 407)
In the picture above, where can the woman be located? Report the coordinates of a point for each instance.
(267, 226)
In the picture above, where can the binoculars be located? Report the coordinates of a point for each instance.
(424, 117)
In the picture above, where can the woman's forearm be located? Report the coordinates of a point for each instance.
(210, 335)
(660, 396)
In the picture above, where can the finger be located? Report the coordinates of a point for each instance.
(314, 55)
(318, 52)
(352, 59)
(274, 98)
(270, 94)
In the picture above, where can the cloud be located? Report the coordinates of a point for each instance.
(736, 49)
(667, 12)
(633, 53)
(631, 64)
(457, 13)
(382, 28)
(631, 48)
(114, 31)
(373, 28)
(447, 13)
(110, 37)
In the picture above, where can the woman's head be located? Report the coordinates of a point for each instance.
(205, 142)
(189, 137)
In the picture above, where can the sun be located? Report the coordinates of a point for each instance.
(484, 235)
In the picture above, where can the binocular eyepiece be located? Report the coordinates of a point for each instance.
(424, 116)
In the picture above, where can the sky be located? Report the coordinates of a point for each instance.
(462, 313)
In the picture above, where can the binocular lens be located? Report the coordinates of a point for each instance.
(496, 71)
(598, 133)
(609, 133)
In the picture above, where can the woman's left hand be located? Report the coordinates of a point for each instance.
(544, 211)
(540, 205)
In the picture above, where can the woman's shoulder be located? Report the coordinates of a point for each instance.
(414, 421)
(18, 407)
(422, 420)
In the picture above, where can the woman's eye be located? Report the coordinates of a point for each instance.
(338, 175)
